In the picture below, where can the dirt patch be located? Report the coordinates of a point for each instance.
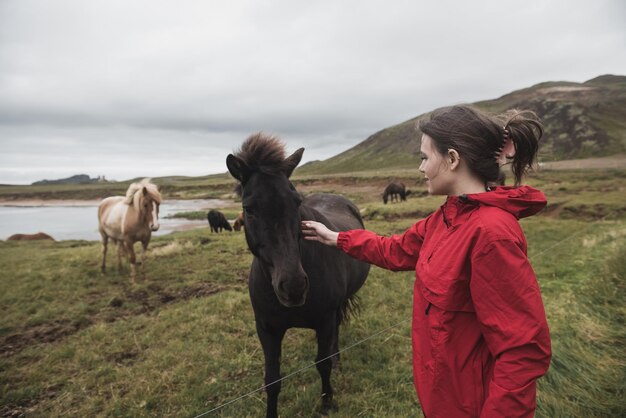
(552, 209)
(564, 89)
(365, 188)
(24, 407)
(614, 161)
(200, 290)
(149, 299)
(123, 357)
(44, 333)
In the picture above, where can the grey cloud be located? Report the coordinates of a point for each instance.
(321, 74)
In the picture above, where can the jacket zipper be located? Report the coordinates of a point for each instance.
(428, 308)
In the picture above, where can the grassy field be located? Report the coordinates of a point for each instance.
(181, 341)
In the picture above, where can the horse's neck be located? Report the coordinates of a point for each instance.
(133, 220)
(308, 213)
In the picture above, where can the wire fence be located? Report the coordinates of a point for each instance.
(382, 331)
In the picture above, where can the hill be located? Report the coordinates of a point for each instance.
(76, 179)
(581, 120)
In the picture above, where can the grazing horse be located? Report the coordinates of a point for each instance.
(395, 191)
(238, 222)
(217, 221)
(293, 282)
(30, 237)
(128, 219)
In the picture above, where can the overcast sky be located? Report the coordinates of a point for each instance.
(152, 88)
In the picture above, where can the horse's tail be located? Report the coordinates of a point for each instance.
(350, 308)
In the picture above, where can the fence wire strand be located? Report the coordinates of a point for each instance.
(545, 250)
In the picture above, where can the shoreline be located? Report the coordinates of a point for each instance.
(30, 202)
(48, 202)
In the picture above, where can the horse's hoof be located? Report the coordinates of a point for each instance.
(328, 406)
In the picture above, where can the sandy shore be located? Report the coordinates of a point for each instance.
(209, 203)
(51, 202)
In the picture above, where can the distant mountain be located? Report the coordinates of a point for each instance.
(580, 120)
(76, 179)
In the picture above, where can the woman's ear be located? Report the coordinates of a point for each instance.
(453, 158)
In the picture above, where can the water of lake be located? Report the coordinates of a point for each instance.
(69, 221)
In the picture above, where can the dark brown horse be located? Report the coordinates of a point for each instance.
(293, 282)
(217, 221)
(30, 237)
(395, 192)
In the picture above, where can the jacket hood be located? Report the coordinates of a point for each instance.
(520, 201)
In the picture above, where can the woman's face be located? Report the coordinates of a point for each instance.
(435, 168)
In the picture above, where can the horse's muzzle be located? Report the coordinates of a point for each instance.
(292, 291)
(154, 227)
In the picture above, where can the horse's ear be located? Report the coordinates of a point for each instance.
(292, 161)
(237, 167)
(145, 191)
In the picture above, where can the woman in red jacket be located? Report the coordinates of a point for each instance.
(480, 335)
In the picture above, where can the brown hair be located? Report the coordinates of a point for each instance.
(263, 152)
(479, 138)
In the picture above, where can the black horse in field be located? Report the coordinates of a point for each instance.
(217, 221)
(293, 282)
(395, 191)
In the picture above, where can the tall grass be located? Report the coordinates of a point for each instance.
(182, 340)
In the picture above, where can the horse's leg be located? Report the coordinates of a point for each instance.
(105, 244)
(132, 259)
(120, 250)
(271, 340)
(336, 358)
(325, 345)
(144, 247)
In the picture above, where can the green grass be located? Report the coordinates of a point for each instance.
(181, 341)
(229, 213)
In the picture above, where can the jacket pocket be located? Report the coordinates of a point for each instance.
(448, 290)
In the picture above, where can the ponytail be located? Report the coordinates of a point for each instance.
(480, 138)
(525, 130)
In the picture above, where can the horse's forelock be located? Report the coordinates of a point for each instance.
(154, 193)
(263, 152)
(134, 193)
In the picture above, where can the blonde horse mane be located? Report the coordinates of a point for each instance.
(134, 193)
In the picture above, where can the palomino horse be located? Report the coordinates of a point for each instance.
(293, 282)
(128, 219)
(238, 222)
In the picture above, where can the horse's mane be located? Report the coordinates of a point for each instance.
(263, 152)
(133, 196)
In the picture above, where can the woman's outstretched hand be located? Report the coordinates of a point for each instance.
(315, 231)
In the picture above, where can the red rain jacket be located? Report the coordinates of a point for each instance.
(480, 335)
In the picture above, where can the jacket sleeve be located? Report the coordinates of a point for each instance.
(509, 308)
(397, 253)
